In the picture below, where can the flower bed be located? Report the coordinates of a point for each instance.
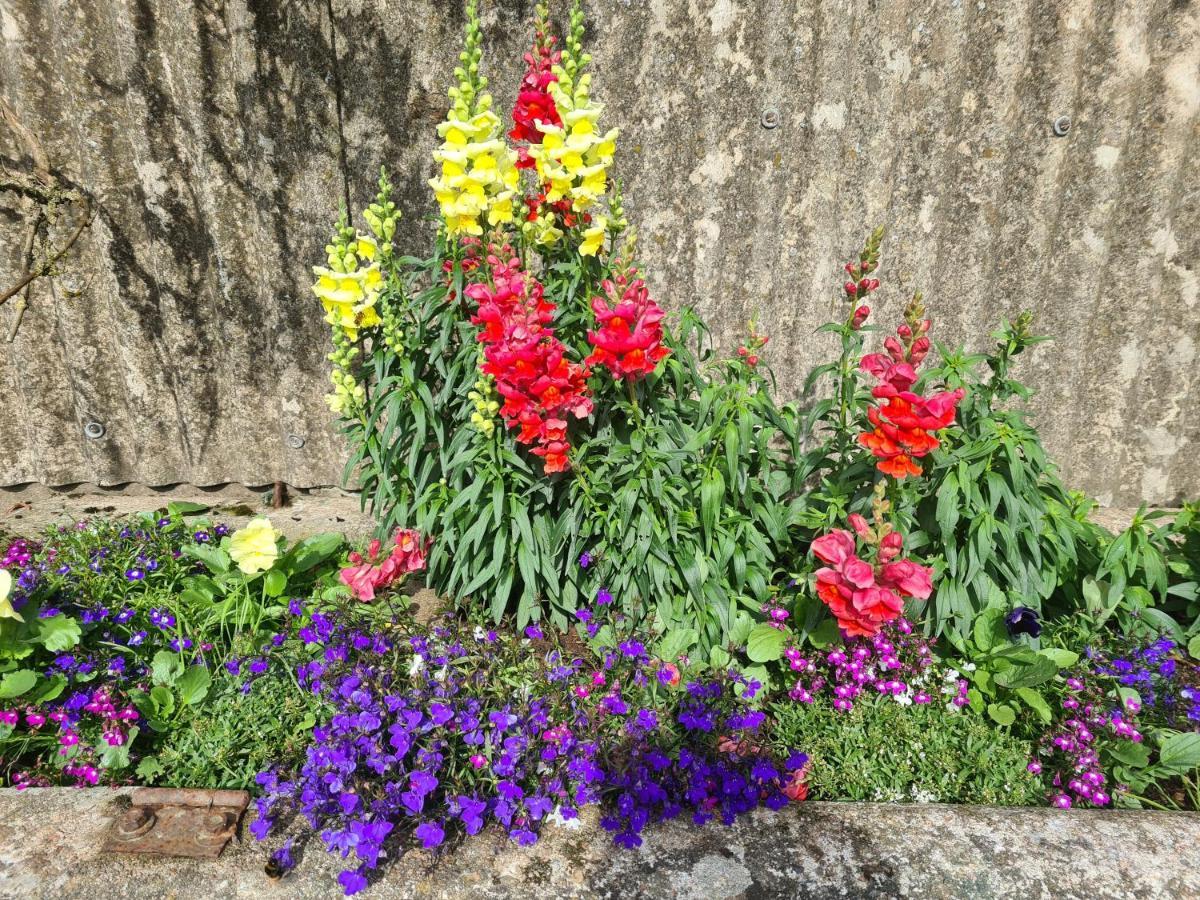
(671, 594)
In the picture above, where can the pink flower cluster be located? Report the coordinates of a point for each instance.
(366, 576)
(540, 386)
(862, 596)
(892, 662)
(628, 339)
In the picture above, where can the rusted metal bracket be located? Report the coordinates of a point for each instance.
(178, 822)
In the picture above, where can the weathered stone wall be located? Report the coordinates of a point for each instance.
(219, 139)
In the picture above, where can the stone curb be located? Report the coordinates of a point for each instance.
(50, 848)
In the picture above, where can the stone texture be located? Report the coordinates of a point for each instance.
(221, 138)
(49, 840)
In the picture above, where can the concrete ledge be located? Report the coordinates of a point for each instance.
(50, 839)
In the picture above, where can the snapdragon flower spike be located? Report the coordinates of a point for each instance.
(539, 384)
(367, 575)
(534, 103)
(904, 422)
(628, 338)
(478, 177)
(861, 596)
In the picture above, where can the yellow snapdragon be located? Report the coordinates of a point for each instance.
(479, 177)
(573, 158)
(349, 286)
(543, 230)
(593, 236)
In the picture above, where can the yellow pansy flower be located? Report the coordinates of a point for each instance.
(6, 607)
(254, 547)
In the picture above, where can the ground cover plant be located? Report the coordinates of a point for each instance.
(670, 594)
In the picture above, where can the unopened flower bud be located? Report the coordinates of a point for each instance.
(920, 349)
(904, 331)
(742, 351)
(851, 288)
(752, 360)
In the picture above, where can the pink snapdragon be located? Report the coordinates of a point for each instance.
(367, 575)
(862, 596)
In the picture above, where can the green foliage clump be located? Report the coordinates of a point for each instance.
(882, 751)
(678, 488)
(230, 738)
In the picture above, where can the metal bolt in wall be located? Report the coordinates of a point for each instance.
(295, 441)
(769, 117)
(1062, 125)
(93, 430)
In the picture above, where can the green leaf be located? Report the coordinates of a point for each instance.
(1162, 621)
(214, 558)
(1037, 671)
(1194, 647)
(162, 700)
(193, 685)
(1131, 754)
(186, 508)
(989, 629)
(275, 583)
(1001, 713)
(1180, 752)
(310, 552)
(53, 687)
(1036, 702)
(58, 633)
(765, 644)
(718, 657)
(1061, 658)
(14, 684)
(149, 769)
(165, 668)
(824, 634)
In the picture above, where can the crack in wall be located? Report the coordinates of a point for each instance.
(337, 98)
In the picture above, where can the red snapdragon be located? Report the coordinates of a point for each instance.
(862, 596)
(904, 422)
(540, 386)
(628, 339)
(534, 104)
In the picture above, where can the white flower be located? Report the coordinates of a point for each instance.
(415, 666)
(555, 818)
(969, 667)
(951, 675)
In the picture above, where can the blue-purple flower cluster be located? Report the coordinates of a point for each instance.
(1165, 680)
(451, 728)
(1110, 700)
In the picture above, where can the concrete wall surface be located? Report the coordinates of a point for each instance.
(218, 140)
